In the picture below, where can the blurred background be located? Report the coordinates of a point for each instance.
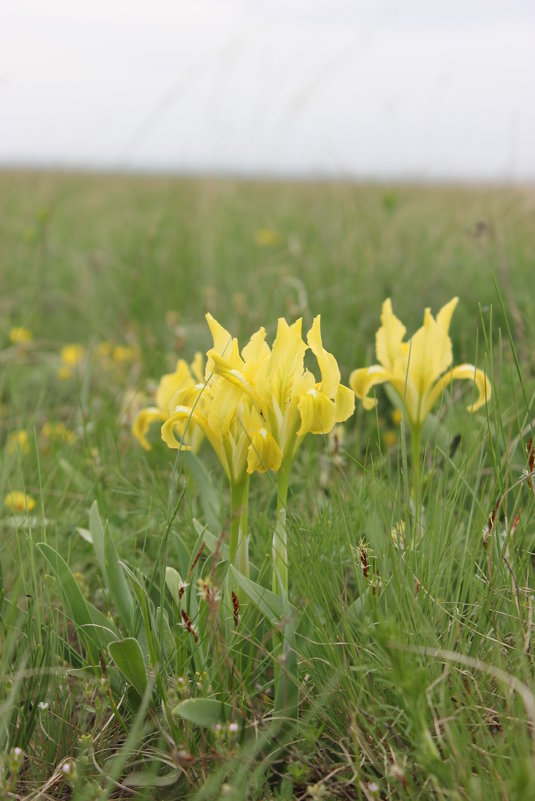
(384, 90)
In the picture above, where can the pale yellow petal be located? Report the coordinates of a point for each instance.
(224, 343)
(364, 379)
(445, 314)
(220, 335)
(389, 338)
(430, 354)
(287, 360)
(464, 372)
(318, 413)
(142, 423)
(171, 383)
(223, 404)
(233, 375)
(263, 453)
(197, 367)
(257, 349)
(330, 374)
(344, 403)
(176, 424)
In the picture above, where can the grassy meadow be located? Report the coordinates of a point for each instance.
(411, 664)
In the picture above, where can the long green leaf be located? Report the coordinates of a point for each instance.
(267, 602)
(74, 600)
(213, 543)
(204, 712)
(108, 560)
(128, 657)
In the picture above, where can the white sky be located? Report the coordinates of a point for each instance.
(418, 89)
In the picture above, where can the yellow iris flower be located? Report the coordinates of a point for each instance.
(418, 370)
(232, 425)
(181, 386)
(287, 397)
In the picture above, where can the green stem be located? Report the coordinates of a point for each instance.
(238, 547)
(416, 478)
(280, 547)
(286, 705)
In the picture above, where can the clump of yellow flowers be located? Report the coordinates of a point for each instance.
(255, 405)
(20, 336)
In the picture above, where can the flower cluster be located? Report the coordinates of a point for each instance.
(255, 405)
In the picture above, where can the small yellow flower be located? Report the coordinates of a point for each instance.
(397, 416)
(18, 441)
(57, 432)
(390, 439)
(418, 370)
(19, 335)
(19, 502)
(266, 237)
(123, 354)
(71, 358)
(72, 355)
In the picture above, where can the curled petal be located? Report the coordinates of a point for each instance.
(330, 374)
(176, 424)
(318, 413)
(186, 422)
(142, 424)
(463, 372)
(361, 382)
(263, 453)
(235, 377)
(224, 344)
(344, 403)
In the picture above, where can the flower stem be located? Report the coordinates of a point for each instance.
(238, 546)
(416, 479)
(280, 548)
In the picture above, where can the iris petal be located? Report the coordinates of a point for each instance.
(263, 453)
(466, 372)
(389, 338)
(330, 374)
(344, 403)
(142, 423)
(318, 413)
(363, 380)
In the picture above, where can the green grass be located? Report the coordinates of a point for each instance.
(415, 674)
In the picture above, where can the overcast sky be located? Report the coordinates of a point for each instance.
(416, 89)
